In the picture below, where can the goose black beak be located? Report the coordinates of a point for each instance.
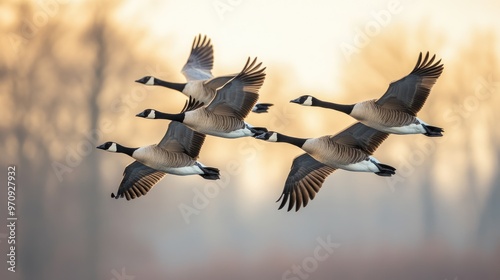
(101, 147)
(295, 100)
(141, 114)
(142, 80)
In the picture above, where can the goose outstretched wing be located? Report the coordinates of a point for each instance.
(200, 61)
(410, 93)
(137, 180)
(304, 181)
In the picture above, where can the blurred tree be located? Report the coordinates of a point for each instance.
(61, 62)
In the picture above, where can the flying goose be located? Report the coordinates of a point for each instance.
(201, 84)
(224, 116)
(395, 112)
(349, 149)
(175, 154)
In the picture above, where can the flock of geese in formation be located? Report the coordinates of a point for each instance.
(218, 106)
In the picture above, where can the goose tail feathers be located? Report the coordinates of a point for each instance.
(433, 131)
(210, 173)
(385, 170)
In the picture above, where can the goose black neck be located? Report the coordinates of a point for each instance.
(125, 150)
(172, 117)
(175, 86)
(338, 107)
(291, 140)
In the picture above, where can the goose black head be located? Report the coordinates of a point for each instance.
(147, 114)
(269, 136)
(109, 146)
(305, 100)
(147, 80)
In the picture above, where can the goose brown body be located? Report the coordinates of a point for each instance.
(162, 159)
(207, 122)
(376, 116)
(326, 150)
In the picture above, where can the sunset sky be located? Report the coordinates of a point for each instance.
(438, 214)
(308, 37)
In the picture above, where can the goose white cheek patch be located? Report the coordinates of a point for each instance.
(308, 101)
(273, 138)
(151, 81)
(112, 148)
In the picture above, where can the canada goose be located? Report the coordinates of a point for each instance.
(224, 116)
(201, 84)
(175, 154)
(350, 149)
(395, 112)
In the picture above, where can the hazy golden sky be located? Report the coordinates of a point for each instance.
(341, 51)
(283, 31)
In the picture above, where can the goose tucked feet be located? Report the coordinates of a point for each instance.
(255, 130)
(432, 131)
(209, 173)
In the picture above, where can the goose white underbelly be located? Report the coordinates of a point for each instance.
(238, 133)
(186, 170)
(407, 129)
(242, 132)
(362, 166)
